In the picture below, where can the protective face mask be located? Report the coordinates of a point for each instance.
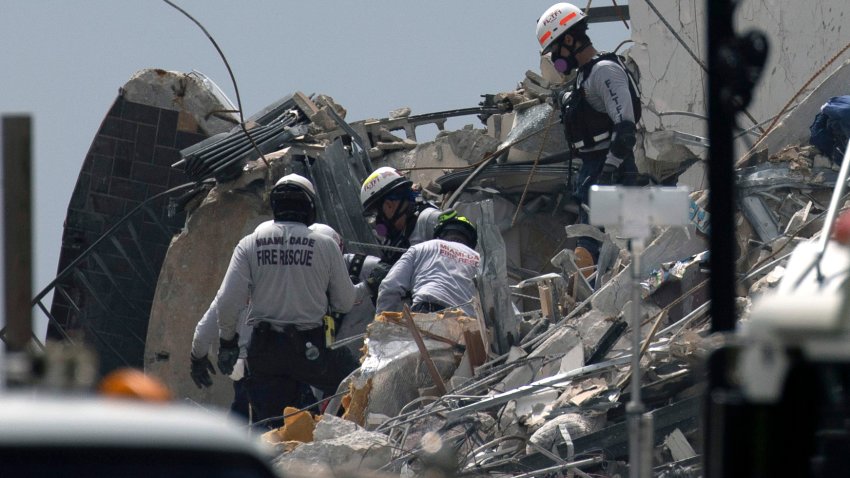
(565, 65)
(381, 230)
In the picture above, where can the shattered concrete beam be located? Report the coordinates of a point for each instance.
(552, 381)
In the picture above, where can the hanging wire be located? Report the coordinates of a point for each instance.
(689, 50)
(232, 79)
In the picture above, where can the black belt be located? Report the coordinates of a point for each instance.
(284, 329)
(427, 307)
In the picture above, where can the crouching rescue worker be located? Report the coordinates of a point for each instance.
(362, 313)
(293, 276)
(439, 273)
(600, 114)
(399, 215)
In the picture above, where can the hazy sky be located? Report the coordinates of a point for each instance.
(62, 62)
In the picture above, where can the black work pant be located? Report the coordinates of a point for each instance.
(277, 362)
(589, 174)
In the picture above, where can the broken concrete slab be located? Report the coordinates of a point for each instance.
(358, 450)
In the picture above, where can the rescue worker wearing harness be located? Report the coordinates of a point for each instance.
(362, 313)
(439, 273)
(399, 215)
(599, 114)
(292, 276)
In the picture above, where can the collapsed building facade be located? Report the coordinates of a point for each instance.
(538, 381)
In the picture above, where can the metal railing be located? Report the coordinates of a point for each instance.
(91, 259)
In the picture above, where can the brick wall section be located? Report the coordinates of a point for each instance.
(112, 288)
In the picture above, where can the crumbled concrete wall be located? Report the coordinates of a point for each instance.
(192, 94)
(189, 279)
(802, 39)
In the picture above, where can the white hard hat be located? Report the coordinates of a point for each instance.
(555, 21)
(328, 231)
(293, 198)
(297, 180)
(381, 182)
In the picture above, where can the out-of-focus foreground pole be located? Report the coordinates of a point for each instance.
(721, 178)
(17, 230)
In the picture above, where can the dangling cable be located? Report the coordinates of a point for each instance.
(232, 79)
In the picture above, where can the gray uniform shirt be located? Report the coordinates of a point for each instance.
(206, 333)
(607, 91)
(291, 274)
(363, 311)
(425, 224)
(436, 271)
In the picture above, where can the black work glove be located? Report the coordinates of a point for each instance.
(376, 276)
(610, 175)
(228, 354)
(201, 369)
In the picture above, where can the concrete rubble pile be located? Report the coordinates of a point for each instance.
(538, 381)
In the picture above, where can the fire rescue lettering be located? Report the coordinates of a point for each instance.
(285, 257)
(616, 100)
(458, 255)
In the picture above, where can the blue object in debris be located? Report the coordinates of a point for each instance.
(831, 128)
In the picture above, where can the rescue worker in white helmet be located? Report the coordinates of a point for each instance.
(292, 276)
(437, 274)
(599, 114)
(400, 217)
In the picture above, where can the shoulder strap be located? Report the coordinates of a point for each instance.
(355, 266)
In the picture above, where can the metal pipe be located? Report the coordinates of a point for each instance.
(566, 466)
(635, 408)
(346, 341)
(376, 246)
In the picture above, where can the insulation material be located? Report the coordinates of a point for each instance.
(392, 370)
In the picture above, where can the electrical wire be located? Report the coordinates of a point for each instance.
(232, 79)
(689, 50)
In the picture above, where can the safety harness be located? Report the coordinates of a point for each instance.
(584, 126)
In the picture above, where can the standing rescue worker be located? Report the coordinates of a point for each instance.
(599, 114)
(206, 332)
(439, 273)
(292, 276)
(399, 215)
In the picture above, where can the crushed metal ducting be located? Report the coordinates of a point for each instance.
(223, 155)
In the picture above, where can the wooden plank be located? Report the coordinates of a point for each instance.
(475, 347)
(426, 357)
